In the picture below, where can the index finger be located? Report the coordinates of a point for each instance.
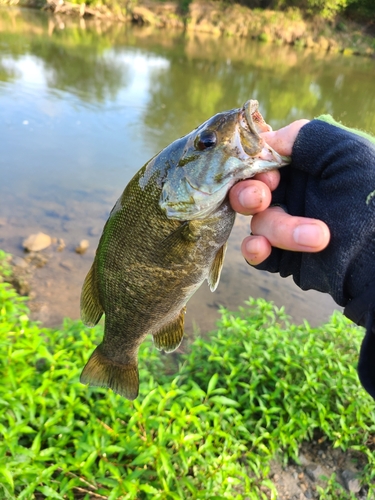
(251, 196)
(270, 178)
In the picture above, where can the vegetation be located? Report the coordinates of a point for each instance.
(206, 429)
(325, 8)
(329, 25)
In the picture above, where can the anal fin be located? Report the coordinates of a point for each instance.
(91, 309)
(215, 271)
(170, 336)
(103, 372)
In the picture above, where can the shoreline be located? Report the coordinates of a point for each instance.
(223, 20)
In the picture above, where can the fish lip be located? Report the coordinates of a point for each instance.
(253, 117)
(249, 108)
(254, 120)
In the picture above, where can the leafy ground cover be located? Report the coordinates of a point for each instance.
(206, 424)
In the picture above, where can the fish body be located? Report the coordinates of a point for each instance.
(166, 234)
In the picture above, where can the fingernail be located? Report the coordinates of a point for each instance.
(308, 235)
(252, 250)
(250, 197)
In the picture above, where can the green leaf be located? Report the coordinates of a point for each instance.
(37, 443)
(223, 400)
(147, 488)
(7, 475)
(49, 492)
(114, 449)
(192, 437)
(212, 383)
(146, 456)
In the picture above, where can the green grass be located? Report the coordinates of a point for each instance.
(207, 429)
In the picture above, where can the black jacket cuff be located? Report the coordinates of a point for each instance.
(361, 310)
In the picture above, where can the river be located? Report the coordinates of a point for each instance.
(83, 105)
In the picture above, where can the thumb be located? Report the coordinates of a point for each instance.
(282, 140)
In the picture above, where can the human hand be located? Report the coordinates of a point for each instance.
(330, 183)
(272, 226)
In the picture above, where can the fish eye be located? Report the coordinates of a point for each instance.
(205, 140)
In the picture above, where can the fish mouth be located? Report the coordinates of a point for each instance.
(254, 120)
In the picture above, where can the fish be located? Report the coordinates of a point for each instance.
(165, 236)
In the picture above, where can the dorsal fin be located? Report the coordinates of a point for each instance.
(215, 270)
(103, 372)
(170, 336)
(91, 309)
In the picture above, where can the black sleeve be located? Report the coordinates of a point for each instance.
(332, 178)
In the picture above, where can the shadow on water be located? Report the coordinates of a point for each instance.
(85, 105)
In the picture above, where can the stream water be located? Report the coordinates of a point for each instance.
(84, 105)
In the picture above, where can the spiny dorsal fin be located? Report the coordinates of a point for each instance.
(91, 309)
(103, 372)
(170, 336)
(215, 271)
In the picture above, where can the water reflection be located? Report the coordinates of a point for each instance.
(84, 105)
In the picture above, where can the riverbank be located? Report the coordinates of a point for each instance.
(226, 20)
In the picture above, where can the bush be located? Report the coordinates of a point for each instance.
(256, 386)
(327, 9)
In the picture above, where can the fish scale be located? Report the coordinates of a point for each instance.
(166, 234)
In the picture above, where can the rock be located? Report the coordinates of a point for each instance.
(82, 247)
(314, 472)
(37, 260)
(21, 285)
(94, 231)
(19, 262)
(37, 242)
(303, 460)
(60, 245)
(350, 481)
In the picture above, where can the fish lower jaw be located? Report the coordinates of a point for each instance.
(201, 209)
(255, 167)
(200, 213)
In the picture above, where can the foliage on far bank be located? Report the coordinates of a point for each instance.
(206, 423)
(328, 9)
(328, 25)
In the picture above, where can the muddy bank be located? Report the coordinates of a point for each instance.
(222, 19)
(53, 278)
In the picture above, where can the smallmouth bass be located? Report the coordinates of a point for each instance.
(165, 235)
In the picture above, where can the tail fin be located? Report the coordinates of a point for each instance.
(103, 372)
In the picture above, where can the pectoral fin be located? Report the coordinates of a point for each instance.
(215, 271)
(91, 309)
(170, 336)
(104, 372)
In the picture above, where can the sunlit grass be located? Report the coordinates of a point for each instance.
(255, 387)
